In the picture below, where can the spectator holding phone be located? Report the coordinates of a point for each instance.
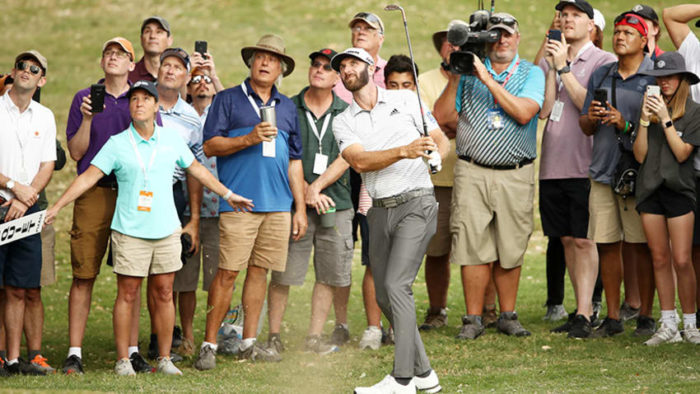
(669, 132)
(205, 62)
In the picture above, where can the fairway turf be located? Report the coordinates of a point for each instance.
(70, 33)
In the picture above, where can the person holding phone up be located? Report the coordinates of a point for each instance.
(201, 58)
(668, 134)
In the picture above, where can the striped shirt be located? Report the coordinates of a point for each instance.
(185, 120)
(394, 121)
(513, 142)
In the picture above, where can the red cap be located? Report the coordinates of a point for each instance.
(634, 21)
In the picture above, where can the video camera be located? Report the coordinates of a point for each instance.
(472, 39)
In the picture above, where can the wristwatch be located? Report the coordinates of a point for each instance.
(668, 124)
(10, 184)
(564, 70)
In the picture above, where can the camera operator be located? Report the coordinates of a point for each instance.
(499, 102)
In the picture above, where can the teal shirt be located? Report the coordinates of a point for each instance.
(118, 155)
(339, 191)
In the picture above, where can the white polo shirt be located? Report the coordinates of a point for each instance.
(394, 121)
(26, 140)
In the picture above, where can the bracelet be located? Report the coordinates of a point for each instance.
(627, 126)
(227, 195)
(643, 122)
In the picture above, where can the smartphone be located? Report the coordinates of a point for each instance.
(601, 95)
(653, 90)
(201, 47)
(97, 96)
(554, 35)
(3, 212)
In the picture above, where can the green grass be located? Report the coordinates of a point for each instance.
(70, 34)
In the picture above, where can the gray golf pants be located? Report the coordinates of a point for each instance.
(399, 237)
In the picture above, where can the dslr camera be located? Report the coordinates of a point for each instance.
(472, 39)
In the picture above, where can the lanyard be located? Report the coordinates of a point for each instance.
(510, 74)
(138, 154)
(256, 108)
(324, 128)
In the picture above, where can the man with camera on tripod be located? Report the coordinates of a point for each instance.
(494, 113)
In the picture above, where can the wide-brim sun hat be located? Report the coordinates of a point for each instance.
(671, 63)
(270, 43)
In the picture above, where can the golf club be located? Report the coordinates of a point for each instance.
(394, 7)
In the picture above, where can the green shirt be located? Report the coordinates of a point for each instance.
(339, 191)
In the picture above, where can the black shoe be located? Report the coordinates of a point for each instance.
(24, 368)
(139, 364)
(340, 335)
(73, 365)
(566, 327)
(580, 327)
(610, 327)
(177, 337)
(646, 326)
(154, 353)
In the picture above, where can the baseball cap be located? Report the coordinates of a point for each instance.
(159, 20)
(178, 53)
(645, 12)
(33, 54)
(325, 52)
(148, 86)
(580, 4)
(370, 18)
(598, 19)
(503, 20)
(358, 53)
(123, 43)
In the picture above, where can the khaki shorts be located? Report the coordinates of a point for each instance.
(333, 251)
(254, 238)
(613, 219)
(92, 218)
(442, 240)
(143, 257)
(48, 255)
(491, 214)
(208, 256)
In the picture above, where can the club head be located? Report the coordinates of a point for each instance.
(393, 7)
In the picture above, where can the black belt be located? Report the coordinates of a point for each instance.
(522, 163)
(394, 201)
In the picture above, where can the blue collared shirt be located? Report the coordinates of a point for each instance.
(183, 119)
(265, 180)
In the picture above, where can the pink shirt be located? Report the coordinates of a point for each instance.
(566, 151)
(378, 78)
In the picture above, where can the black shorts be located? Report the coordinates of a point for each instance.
(20, 261)
(667, 202)
(564, 207)
(696, 232)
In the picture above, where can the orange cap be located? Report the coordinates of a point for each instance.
(122, 42)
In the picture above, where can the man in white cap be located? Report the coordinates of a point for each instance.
(380, 135)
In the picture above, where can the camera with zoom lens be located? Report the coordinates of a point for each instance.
(471, 39)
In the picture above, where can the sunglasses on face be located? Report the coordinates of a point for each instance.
(326, 66)
(508, 21)
(198, 78)
(22, 66)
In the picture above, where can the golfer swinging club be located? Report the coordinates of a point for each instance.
(380, 135)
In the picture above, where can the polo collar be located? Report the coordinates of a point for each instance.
(139, 138)
(505, 72)
(337, 105)
(102, 82)
(356, 109)
(10, 105)
(274, 93)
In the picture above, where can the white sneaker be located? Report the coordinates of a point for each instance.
(665, 334)
(124, 368)
(430, 384)
(692, 335)
(371, 338)
(387, 386)
(166, 366)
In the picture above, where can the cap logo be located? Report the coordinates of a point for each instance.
(661, 64)
(138, 84)
(637, 8)
(326, 51)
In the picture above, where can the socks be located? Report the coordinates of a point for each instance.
(344, 325)
(247, 343)
(669, 318)
(689, 320)
(212, 345)
(132, 350)
(75, 351)
(12, 362)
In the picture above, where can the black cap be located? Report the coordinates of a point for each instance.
(580, 4)
(148, 86)
(671, 63)
(645, 12)
(325, 52)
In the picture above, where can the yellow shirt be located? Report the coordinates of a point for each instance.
(432, 83)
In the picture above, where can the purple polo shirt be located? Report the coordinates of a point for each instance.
(566, 151)
(378, 78)
(114, 119)
(140, 73)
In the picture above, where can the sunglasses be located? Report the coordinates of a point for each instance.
(326, 66)
(22, 66)
(632, 20)
(369, 17)
(198, 78)
(508, 21)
